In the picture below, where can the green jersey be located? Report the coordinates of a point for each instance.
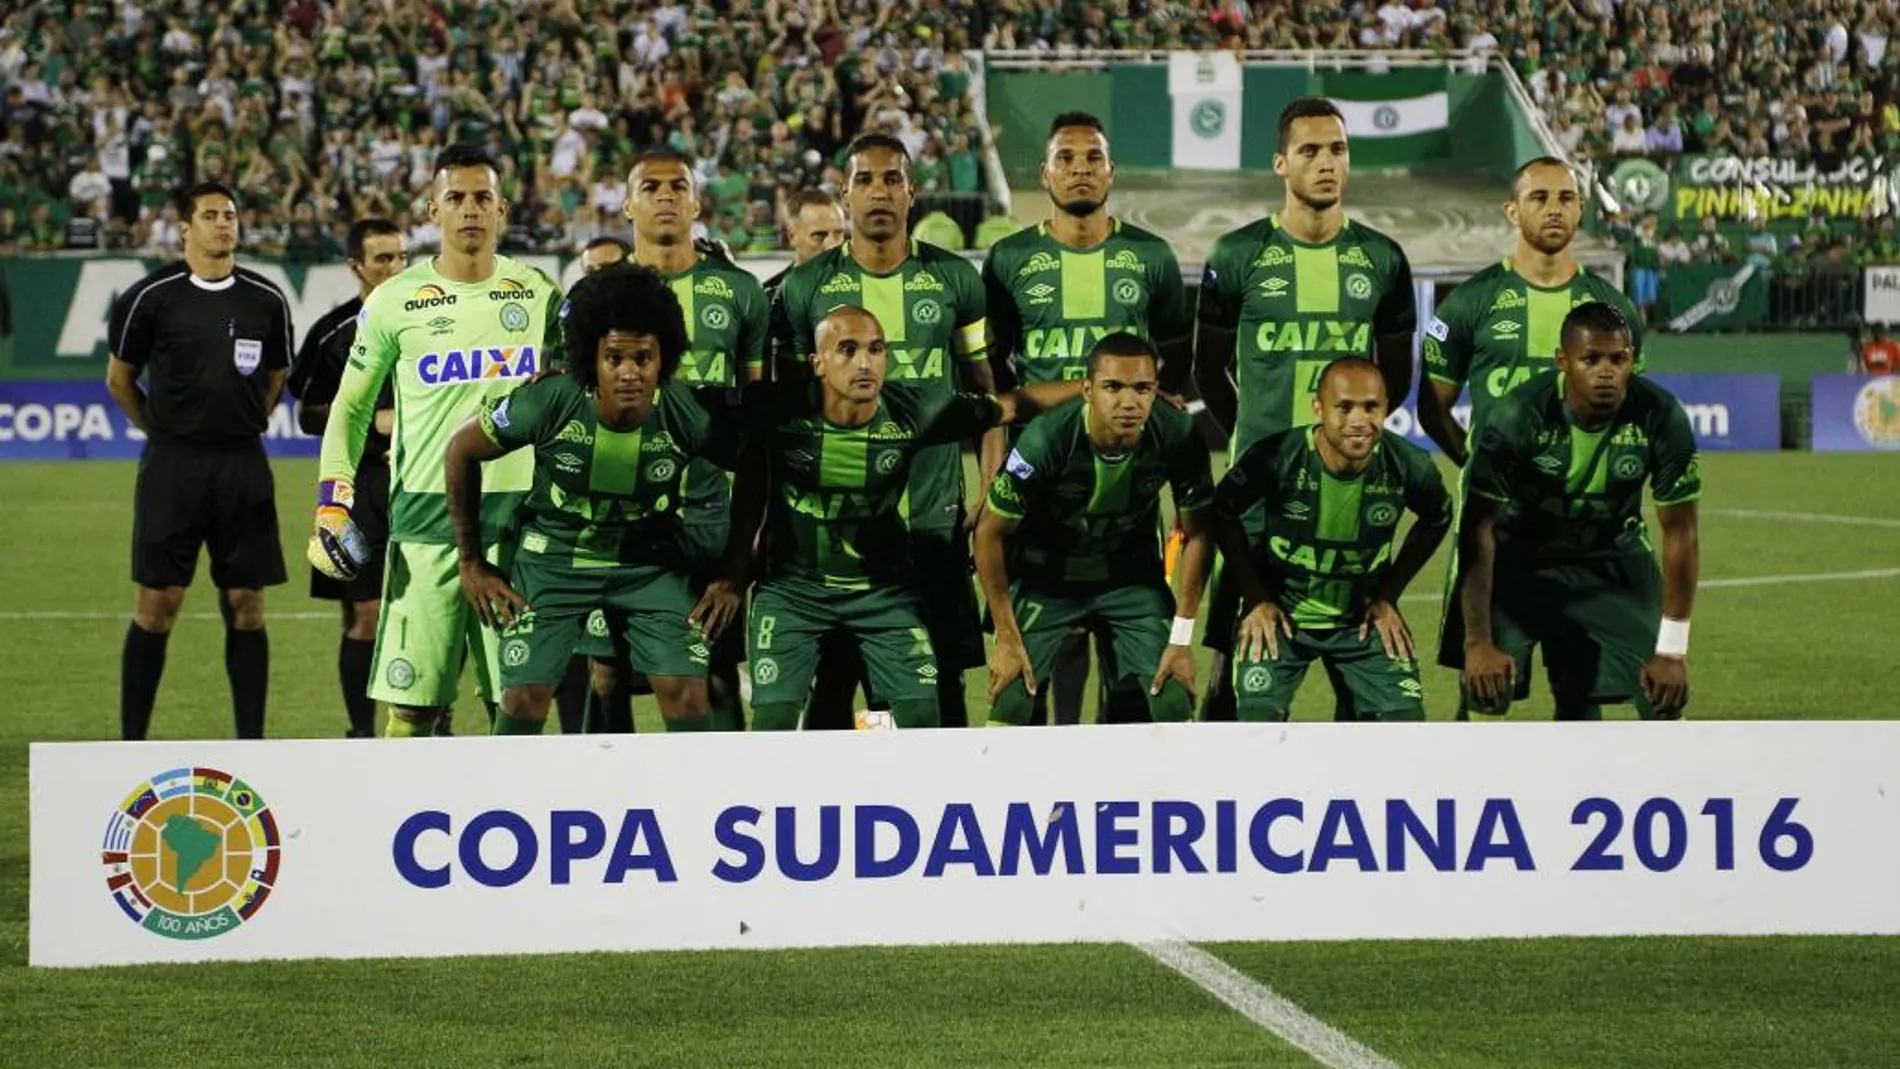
(1294, 308)
(1049, 303)
(1084, 517)
(832, 513)
(1329, 538)
(1496, 330)
(931, 309)
(1572, 494)
(727, 321)
(452, 348)
(604, 498)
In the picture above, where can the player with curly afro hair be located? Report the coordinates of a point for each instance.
(622, 298)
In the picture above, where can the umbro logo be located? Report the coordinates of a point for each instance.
(1508, 328)
(1549, 465)
(1275, 287)
(1041, 292)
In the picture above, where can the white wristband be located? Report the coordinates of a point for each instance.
(1673, 639)
(1182, 633)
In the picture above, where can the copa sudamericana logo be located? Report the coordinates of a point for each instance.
(191, 853)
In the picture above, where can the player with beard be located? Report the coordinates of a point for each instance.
(1055, 289)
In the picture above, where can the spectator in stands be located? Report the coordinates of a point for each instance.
(1763, 247)
(1673, 250)
(1711, 245)
(1645, 265)
(1663, 140)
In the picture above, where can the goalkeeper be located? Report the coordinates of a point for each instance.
(457, 333)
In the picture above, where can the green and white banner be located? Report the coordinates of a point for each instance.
(1204, 89)
(1394, 119)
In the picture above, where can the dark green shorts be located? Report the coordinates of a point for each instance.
(941, 559)
(1596, 621)
(1382, 688)
(1137, 618)
(644, 620)
(706, 541)
(789, 616)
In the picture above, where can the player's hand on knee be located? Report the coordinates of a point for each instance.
(1385, 617)
(1490, 674)
(1177, 663)
(718, 607)
(1260, 632)
(1008, 662)
(1666, 683)
(496, 603)
(337, 547)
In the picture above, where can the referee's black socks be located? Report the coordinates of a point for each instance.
(141, 666)
(355, 659)
(247, 663)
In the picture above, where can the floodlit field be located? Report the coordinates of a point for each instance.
(1801, 559)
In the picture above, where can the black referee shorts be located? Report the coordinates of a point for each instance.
(372, 518)
(222, 499)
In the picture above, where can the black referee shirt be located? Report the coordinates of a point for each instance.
(207, 350)
(318, 371)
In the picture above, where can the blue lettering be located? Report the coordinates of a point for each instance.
(562, 824)
(428, 369)
(455, 367)
(865, 823)
(1021, 834)
(786, 834)
(638, 823)
(1171, 844)
(403, 847)
(1260, 832)
(1343, 813)
(945, 851)
(1401, 824)
(1109, 836)
(727, 832)
(1499, 816)
(1226, 837)
(527, 849)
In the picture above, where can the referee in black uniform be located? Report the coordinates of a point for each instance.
(212, 340)
(377, 252)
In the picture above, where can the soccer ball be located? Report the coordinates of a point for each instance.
(875, 720)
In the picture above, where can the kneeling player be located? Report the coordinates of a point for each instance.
(612, 437)
(1079, 503)
(1326, 587)
(837, 546)
(1553, 536)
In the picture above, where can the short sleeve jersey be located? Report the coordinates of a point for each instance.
(1568, 493)
(1294, 308)
(1329, 539)
(1085, 518)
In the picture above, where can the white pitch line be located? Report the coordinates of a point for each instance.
(1265, 1007)
(1804, 517)
(333, 617)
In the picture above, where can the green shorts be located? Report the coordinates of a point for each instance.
(1382, 687)
(706, 543)
(1595, 619)
(428, 630)
(944, 581)
(642, 617)
(1136, 616)
(789, 616)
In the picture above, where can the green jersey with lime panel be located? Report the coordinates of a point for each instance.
(832, 514)
(452, 349)
(1294, 308)
(1496, 330)
(1084, 517)
(727, 320)
(1329, 538)
(931, 308)
(1049, 303)
(1569, 493)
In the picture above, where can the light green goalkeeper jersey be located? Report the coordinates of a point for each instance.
(454, 348)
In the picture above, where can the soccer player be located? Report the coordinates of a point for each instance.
(1280, 299)
(213, 341)
(1054, 289)
(1323, 584)
(377, 252)
(727, 321)
(456, 333)
(817, 225)
(1556, 551)
(1074, 518)
(603, 252)
(613, 440)
(840, 453)
(929, 304)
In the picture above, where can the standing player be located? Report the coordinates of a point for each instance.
(213, 340)
(612, 439)
(929, 304)
(377, 252)
(1556, 551)
(1280, 299)
(1324, 585)
(726, 321)
(1079, 504)
(456, 333)
(839, 454)
(1053, 290)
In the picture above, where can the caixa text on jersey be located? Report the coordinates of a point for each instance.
(458, 366)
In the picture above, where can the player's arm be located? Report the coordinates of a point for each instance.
(312, 383)
(1009, 494)
(1490, 673)
(1216, 331)
(353, 409)
(130, 333)
(755, 329)
(553, 348)
(1431, 503)
(1677, 484)
(278, 345)
(1248, 482)
(970, 345)
(1005, 338)
(1447, 360)
(486, 587)
(1191, 479)
(122, 382)
(1025, 403)
(1393, 324)
(1170, 320)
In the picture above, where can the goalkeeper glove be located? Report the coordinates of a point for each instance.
(337, 546)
